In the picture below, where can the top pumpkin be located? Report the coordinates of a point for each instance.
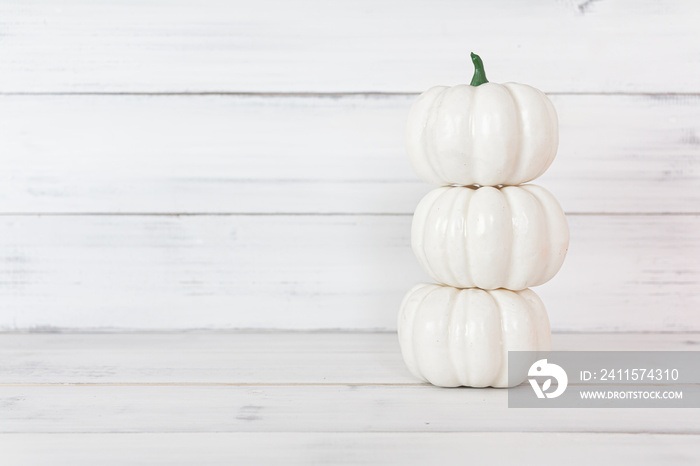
(482, 134)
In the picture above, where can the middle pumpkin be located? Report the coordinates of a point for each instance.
(513, 237)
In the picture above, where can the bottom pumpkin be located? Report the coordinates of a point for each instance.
(455, 337)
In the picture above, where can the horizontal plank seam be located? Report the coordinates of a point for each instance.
(211, 384)
(250, 331)
(372, 432)
(301, 214)
(327, 94)
(292, 384)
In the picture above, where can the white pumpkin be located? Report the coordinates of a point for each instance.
(513, 237)
(451, 337)
(485, 134)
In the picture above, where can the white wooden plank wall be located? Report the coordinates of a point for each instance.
(241, 165)
(347, 45)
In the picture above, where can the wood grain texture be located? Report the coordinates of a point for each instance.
(306, 398)
(320, 408)
(622, 273)
(236, 358)
(316, 46)
(212, 154)
(192, 140)
(320, 448)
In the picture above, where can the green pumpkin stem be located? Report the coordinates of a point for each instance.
(479, 77)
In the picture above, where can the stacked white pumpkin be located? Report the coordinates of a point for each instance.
(483, 235)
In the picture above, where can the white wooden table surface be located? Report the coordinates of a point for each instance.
(299, 398)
